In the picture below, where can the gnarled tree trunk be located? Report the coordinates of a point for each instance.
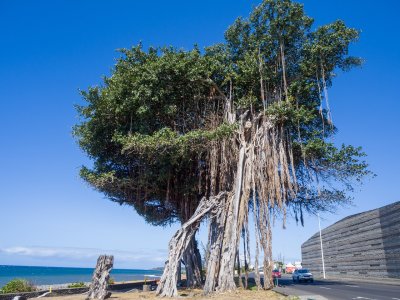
(231, 231)
(262, 171)
(192, 260)
(179, 243)
(191, 256)
(98, 287)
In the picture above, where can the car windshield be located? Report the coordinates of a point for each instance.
(303, 271)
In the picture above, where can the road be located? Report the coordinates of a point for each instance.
(334, 290)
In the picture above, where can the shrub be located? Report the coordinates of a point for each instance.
(17, 286)
(111, 280)
(76, 285)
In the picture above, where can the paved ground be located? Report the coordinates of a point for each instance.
(335, 290)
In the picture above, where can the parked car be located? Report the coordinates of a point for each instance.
(302, 275)
(276, 274)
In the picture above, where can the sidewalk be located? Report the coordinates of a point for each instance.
(302, 295)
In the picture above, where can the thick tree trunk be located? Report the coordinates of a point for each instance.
(261, 171)
(98, 287)
(224, 237)
(179, 243)
(216, 235)
(191, 256)
(192, 260)
(230, 241)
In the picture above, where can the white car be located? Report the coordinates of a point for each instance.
(302, 275)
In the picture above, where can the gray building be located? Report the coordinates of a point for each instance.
(365, 245)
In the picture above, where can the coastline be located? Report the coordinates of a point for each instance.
(44, 277)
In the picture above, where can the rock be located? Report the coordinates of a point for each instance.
(99, 285)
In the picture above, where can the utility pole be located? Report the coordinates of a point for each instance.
(322, 249)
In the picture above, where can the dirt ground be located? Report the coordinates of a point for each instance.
(188, 294)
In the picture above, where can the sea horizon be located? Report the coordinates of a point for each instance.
(48, 275)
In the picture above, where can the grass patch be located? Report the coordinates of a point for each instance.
(18, 286)
(76, 285)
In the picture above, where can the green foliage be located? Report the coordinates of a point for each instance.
(147, 119)
(171, 141)
(16, 286)
(147, 128)
(76, 285)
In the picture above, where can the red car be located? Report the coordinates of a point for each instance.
(276, 274)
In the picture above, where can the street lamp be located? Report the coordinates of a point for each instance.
(322, 249)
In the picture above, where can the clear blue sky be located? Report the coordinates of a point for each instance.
(50, 49)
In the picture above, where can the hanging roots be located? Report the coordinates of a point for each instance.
(264, 173)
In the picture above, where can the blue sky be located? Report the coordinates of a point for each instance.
(50, 49)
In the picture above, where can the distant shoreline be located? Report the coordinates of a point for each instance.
(92, 268)
(61, 276)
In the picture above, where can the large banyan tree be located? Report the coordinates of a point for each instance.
(236, 134)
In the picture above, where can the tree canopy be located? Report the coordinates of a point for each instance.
(241, 127)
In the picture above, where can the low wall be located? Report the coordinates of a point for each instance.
(74, 291)
(130, 285)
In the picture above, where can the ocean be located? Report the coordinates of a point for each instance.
(60, 275)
